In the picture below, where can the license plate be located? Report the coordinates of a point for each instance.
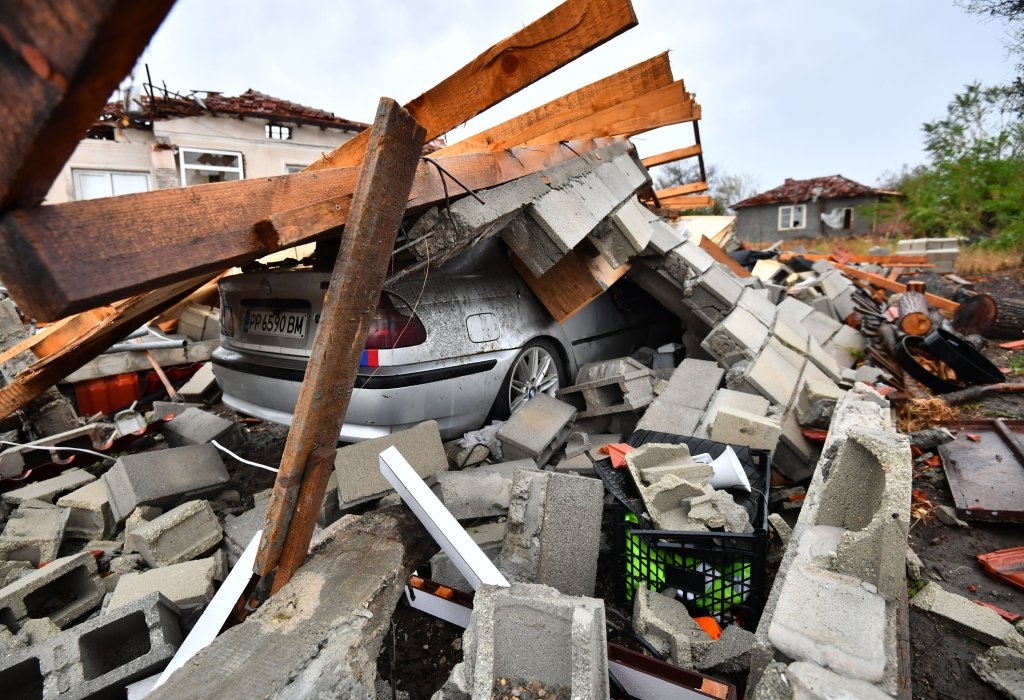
(287, 324)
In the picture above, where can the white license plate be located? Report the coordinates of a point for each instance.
(287, 324)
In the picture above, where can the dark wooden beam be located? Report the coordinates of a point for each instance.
(378, 204)
(59, 62)
(541, 47)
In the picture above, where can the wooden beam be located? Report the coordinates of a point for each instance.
(691, 188)
(59, 62)
(671, 156)
(884, 260)
(573, 282)
(559, 37)
(378, 203)
(701, 201)
(58, 259)
(716, 251)
(667, 105)
(624, 85)
(128, 315)
(882, 283)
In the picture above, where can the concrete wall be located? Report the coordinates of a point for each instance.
(761, 224)
(155, 152)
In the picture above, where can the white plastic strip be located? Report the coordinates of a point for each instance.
(216, 613)
(438, 607)
(644, 686)
(466, 554)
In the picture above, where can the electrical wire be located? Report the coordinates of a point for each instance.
(55, 448)
(241, 459)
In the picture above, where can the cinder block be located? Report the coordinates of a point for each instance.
(180, 534)
(473, 493)
(553, 531)
(773, 375)
(719, 281)
(240, 529)
(727, 398)
(793, 311)
(34, 533)
(729, 654)
(666, 624)
(569, 213)
(694, 257)
(330, 509)
(608, 387)
(89, 507)
(488, 536)
(163, 477)
(1001, 667)
(536, 430)
(195, 426)
(48, 489)
(809, 680)
(98, 658)
(756, 301)
(846, 346)
(821, 326)
(740, 336)
(534, 632)
(679, 408)
(538, 252)
(63, 591)
(632, 222)
(188, 585)
(139, 517)
(200, 385)
(665, 237)
(737, 427)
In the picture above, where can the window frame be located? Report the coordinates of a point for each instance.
(268, 131)
(793, 207)
(76, 181)
(298, 168)
(183, 166)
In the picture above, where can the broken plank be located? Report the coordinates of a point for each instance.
(625, 85)
(687, 202)
(538, 49)
(378, 204)
(882, 283)
(59, 63)
(573, 282)
(672, 156)
(715, 251)
(667, 105)
(58, 259)
(680, 190)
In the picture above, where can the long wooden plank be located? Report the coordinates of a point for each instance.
(538, 49)
(715, 251)
(625, 85)
(573, 282)
(667, 105)
(378, 203)
(700, 201)
(885, 260)
(128, 315)
(60, 259)
(59, 62)
(680, 190)
(882, 283)
(672, 156)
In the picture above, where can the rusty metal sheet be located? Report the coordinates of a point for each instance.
(986, 477)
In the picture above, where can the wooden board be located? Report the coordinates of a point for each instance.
(543, 46)
(672, 156)
(58, 259)
(687, 202)
(883, 283)
(885, 260)
(60, 60)
(615, 89)
(715, 251)
(679, 191)
(576, 280)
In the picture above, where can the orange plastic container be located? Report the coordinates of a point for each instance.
(107, 394)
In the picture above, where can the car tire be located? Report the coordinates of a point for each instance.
(538, 368)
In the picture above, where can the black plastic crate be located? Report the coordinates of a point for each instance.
(719, 574)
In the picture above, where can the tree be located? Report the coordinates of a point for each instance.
(1012, 11)
(725, 188)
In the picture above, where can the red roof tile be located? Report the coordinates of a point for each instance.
(793, 191)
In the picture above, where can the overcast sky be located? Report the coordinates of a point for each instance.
(789, 88)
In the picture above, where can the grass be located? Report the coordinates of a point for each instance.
(1016, 364)
(977, 261)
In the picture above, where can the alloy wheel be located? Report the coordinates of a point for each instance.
(536, 372)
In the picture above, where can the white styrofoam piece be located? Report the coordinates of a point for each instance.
(466, 554)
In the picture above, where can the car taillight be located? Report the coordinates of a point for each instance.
(390, 328)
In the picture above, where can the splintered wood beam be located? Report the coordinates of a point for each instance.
(538, 49)
(378, 203)
(670, 104)
(624, 85)
(59, 62)
(882, 283)
(126, 316)
(687, 202)
(59, 259)
(690, 188)
(671, 156)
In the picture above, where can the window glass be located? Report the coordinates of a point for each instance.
(203, 167)
(92, 184)
(220, 160)
(129, 183)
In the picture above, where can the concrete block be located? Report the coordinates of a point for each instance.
(737, 427)
(63, 591)
(34, 533)
(696, 259)
(100, 657)
(571, 212)
(1003, 669)
(163, 478)
(739, 336)
(488, 536)
(536, 430)
(89, 508)
(718, 510)
(200, 385)
(758, 304)
(846, 346)
(816, 402)
(831, 620)
(139, 517)
(359, 477)
(961, 615)
(727, 398)
(631, 221)
(330, 509)
(665, 237)
(481, 492)
(679, 408)
(821, 327)
(729, 654)
(163, 410)
(188, 585)
(180, 534)
(772, 375)
(553, 531)
(793, 336)
(794, 456)
(612, 386)
(809, 680)
(195, 426)
(665, 623)
(611, 244)
(240, 529)
(944, 260)
(49, 489)
(793, 311)
(11, 571)
(621, 174)
(652, 461)
(534, 632)
(539, 253)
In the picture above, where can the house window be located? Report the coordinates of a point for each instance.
(847, 218)
(93, 184)
(199, 167)
(292, 169)
(792, 217)
(276, 131)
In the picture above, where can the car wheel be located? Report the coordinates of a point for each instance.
(537, 369)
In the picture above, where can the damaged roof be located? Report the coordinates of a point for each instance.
(251, 103)
(793, 191)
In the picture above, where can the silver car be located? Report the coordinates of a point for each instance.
(458, 345)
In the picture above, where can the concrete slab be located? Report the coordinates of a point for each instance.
(536, 430)
(960, 614)
(1003, 669)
